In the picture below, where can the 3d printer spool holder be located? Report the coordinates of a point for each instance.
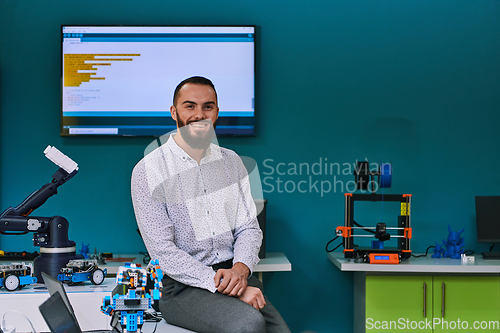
(364, 177)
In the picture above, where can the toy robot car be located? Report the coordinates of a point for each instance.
(81, 270)
(16, 276)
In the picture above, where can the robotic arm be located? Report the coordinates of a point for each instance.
(68, 168)
(50, 233)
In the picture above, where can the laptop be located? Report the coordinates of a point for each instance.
(53, 285)
(57, 310)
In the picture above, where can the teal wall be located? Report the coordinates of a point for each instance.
(413, 82)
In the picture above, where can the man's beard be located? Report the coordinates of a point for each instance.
(198, 140)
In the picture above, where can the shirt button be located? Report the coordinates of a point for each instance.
(213, 233)
(205, 190)
(208, 212)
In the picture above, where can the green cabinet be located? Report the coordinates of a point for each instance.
(466, 302)
(395, 303)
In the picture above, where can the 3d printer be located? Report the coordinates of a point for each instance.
(377, 253)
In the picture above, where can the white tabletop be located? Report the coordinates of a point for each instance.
(419, 265)
(273, 262)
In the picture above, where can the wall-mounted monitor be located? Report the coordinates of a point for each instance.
(119, 80)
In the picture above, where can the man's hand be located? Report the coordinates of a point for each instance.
(254, 297)
(232, 282)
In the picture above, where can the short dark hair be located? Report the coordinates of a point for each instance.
(194, 80)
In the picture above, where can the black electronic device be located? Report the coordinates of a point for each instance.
(55, 286)
(58, 311)
(119, 80)
(261, 218)
(491, 255)
(488, 219)
(57, 315)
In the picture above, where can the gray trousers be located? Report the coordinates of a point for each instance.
(201, 311)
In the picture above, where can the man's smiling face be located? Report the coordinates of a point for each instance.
(196, 112)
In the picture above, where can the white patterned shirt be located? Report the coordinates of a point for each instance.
(193, 216)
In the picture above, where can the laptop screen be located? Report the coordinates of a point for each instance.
(57, 315)
(54, 286)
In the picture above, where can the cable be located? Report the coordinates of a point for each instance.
(152, 316)
(326, 248)
(156, 325)
(146, 258)
(362, 226)
(4, 328)
(423, 255)
(491, 248)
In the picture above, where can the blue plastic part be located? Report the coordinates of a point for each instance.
(132, 321)
(156, 295)
(379, 245)
(385, 178)
(438, 251)
(27, 279)
(80, 277)
(73, 277)
(454, 244)
(84, 251)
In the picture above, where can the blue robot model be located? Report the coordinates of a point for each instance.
(129, 299)
(438, 251)
(454, 244)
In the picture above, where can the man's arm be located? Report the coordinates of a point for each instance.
(248, 239)
(247, 235)
(254, 297)
(232, 282)
(157, 231)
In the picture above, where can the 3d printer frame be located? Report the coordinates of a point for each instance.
(403, 229)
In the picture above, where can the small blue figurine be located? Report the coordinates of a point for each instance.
(454, 244)
(438, 251)
(84, 251)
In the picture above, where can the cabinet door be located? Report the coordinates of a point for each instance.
(396, 303)
(466, 302)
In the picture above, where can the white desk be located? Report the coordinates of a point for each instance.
(87, 299)
(273, 262)
(419, 265)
